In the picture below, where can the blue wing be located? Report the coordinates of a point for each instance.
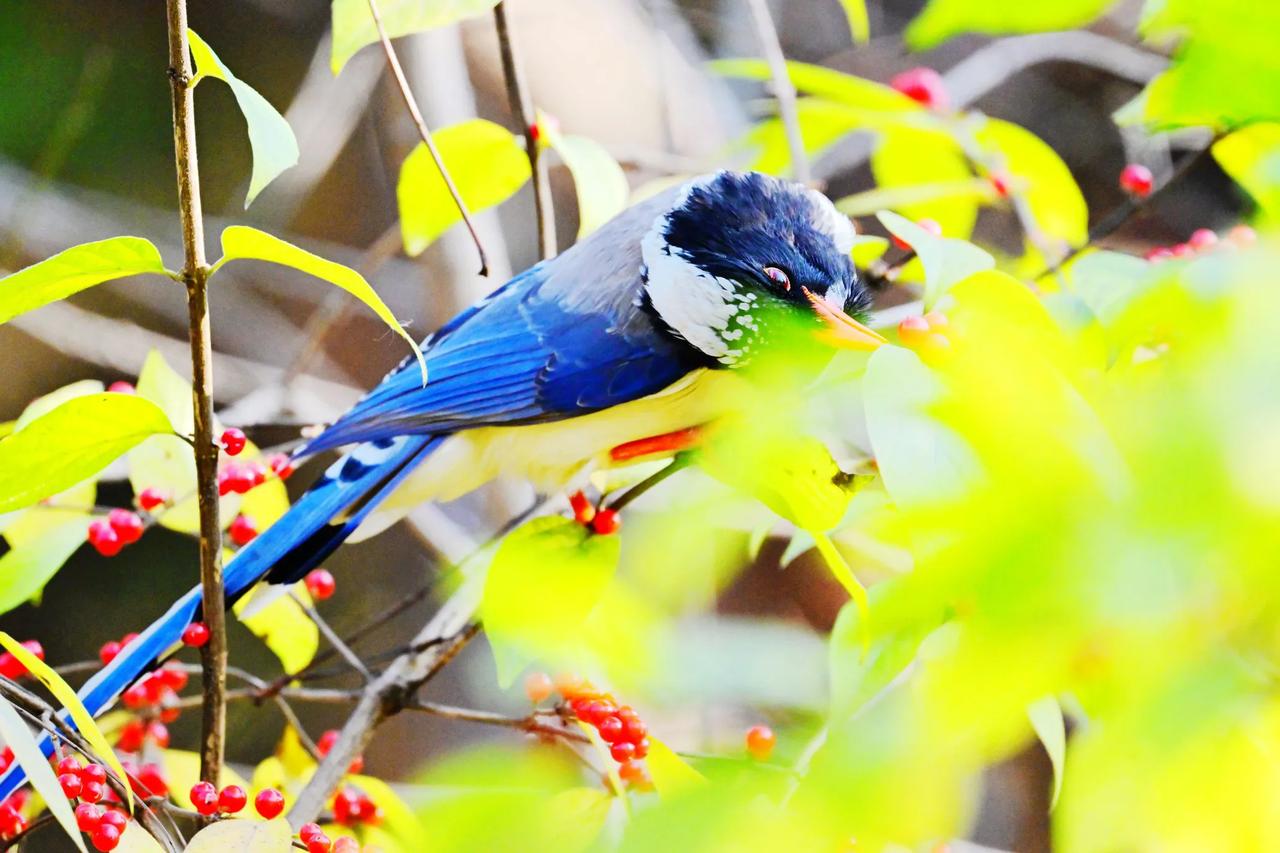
(525, 354)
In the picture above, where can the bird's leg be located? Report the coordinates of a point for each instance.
(667, 443)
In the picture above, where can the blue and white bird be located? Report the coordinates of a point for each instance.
(642, 329)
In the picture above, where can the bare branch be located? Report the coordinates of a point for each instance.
(783, 89)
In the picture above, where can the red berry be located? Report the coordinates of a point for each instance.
(114, 817)
(583, 509)
(929, 225)
(231, 799)
(6, 758)
(1000, 183)
(1202, 238)
(622, 751)
(281, 465)
(610, 729)
(326, 742)
(127, 525)
(135, 696)
(173, 677)
(150, 498)
(11, 822)
(92, 792)
(257, 472)
(103, 537)
(195, 635)
(633, 771)
(122, 387)
(1159, 253)
(606, 522)
(235, 478)
(346, 806)
(10, 667)
(70, 764)
(158, 733)
(537, 686)
(94, 773)
(131, 736)
(105, 838)
(346, 844)
(1183, 250)
(923, 85)
(320, 844)
(913, 330)
(320, 584)
(108, 652)
(760, 741)
(87, 816)
(232, 441)
(243, 530)
(1137, 180)
(633, 730)
(642, 747)
(151, 779)
(70, 783)
(204, 798)
(269, 803)
(309, 831)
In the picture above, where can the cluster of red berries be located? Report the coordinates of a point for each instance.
(317, 842)
(12, 821)
(601, 521)
(135, 733)
(88, 784)
(325, 744)
(927, 334)
(1205, 240)
(207, 799)
(121, 527)
(929, 225)
(240, 477)
(352, 807)
(924, 86)
(157, 689)
(104, 826)
(618, 726)
(760, 741)
(12, 668)
(152, 498)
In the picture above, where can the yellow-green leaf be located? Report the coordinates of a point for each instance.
(243, 836)
(487, 163)
(135, 839)
(599, 181)
(284, 627)
(1251, 156)
(671, 774)
(1056, 203)
(544, 581)
(27, 754)
(1046, 719)
(71, 702)
(48, 402)
(946, 260)
(398, 819)
(353, 26)
(243, 242)
(867, 97)
(271, 139)
(26, 568)
(72, 443)
(856, 13)
(165, 462)
(910, 158)
(942, 19)
(182, 770)
(76, 269)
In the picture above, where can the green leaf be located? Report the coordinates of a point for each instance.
(599, 181)
(859, 672)
(353, 26)
(166, 462)
(856, 12)
(230, 835)
(283, 626)
(946, 260)
(71, 702)
(270, 137)
(242, 242)
(487, 163)
(26, 568)
(1046, 719)
(72, 443)
(46, 403)
(1045, 182)
(1251, 156)
(26, 752)
(912, 158)
(912, 196)
(866, 97)
(672, 775)
(76, 269)
(544, 581)
(942, 19)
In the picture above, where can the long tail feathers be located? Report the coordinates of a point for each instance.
(308, 533)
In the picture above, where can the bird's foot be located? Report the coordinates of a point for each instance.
(655, 445)
(601, 520)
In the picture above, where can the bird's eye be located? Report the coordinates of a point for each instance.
(778, 277)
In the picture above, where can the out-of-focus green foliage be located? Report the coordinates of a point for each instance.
(856, 12)
(942, 19)
(598, 180)
(353, 25)
(487, 163)
(75, 269)
(1251, 156)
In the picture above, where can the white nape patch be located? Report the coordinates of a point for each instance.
(366, 456)
(832, 222)
(694, 303)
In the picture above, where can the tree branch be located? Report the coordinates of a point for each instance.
(195, 275)
(783, 89)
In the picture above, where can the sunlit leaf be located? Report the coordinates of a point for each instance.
(284, 626)
(135, 839)
(71, 443)
(353, 25)
(866, 98)
(71, 702)
(182, 770)
(942, 19)
(671, 774)
(75, 269)
(242, 242)
(1251, 156)
(545, 579)
(27, 567)
(398, 819)
(907, 158)
(1046, 719)
(859, 672)
(859, 26)
(599, 181)
(243, 836)
(26, 753)
(165, 462)
(270, 137)
(487, 163)
(946, 260)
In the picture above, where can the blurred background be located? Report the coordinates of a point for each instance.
(86, 152)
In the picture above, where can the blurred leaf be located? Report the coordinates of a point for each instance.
(942, 19)
(353, 26)
(869, 202)
(946, 260)
(800, 543)
(867, 249)
(868, 99)
(1051, 193)
(599, 181)
(166, 462)
(398, 819)
(858, 672)
(1046, 719)
(487, 163)
(230, 835)
(243, 242)
(1251, 156)
(822, 125)
(182, 770)
(71, 702)
(76, 269)
(546, 578)
(284, 626)
(909, 158)
(859, 26)
(671, 774)
(288, 769)
(71, 443)
(270, 137)
(27, 567)
(27, 755)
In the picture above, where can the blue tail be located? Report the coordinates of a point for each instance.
(308, 533)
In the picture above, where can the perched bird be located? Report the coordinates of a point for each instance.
(644, 328)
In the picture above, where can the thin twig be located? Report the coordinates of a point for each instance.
(523, 112)
(195, 274)
(393, 61)
(783, 89)
(332, 636)
(530, 723)
(679, 461)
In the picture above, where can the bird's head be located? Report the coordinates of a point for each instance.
(742, 262)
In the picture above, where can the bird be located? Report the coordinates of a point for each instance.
(648, 326)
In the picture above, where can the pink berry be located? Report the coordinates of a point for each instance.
(231, 799)
(346, 844)
(232, 441)
(537, 686)
(912, 331)
(243, 530)
(1137, 180)
(269, 803)
(923, 85)
(320, 584)
(204, 798)
(195, 635)
(1202, 238)
(1242, 236)
(1159, 253)
(104, 539)
(122, 387)
(150, 498)
(127, 525)
(281, 465)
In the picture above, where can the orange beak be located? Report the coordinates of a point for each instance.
(841, 330)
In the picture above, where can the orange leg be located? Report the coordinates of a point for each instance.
(670, 442)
